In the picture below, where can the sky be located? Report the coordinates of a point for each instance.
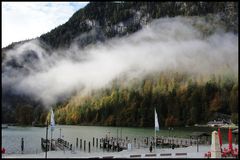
(26, 20)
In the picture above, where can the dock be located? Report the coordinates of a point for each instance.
(117, 144)
(57, 144)
(176, 142)
(186, 152)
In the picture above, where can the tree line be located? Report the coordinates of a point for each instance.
(179, 99)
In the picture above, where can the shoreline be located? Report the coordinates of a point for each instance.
(186, 126)
(188, 152)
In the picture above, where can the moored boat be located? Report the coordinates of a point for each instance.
(4, 126)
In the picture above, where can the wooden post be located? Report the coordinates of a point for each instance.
(113, 145)
(22, 145)
(93, 141)
(197, 144)
(103, 143)
(97, 142)
(117, 135)
(121, 133)
(135, 142)
(118, 148)
(60, 133)
(80, 143)
(84, 145)
(89, 146)
(77, 143)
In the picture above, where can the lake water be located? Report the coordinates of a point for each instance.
(11, 137)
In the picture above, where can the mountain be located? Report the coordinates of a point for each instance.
(107, 20)
(99, 22)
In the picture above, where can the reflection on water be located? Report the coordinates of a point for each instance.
(11, 137)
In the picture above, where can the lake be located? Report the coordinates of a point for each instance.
(11, 136)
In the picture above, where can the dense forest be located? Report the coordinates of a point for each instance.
(179, 99)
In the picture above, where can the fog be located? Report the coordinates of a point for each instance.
(165, 44)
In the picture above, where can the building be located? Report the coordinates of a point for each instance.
(218, 123)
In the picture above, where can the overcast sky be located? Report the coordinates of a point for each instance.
(26, 20)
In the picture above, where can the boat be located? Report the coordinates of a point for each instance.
(4, 126)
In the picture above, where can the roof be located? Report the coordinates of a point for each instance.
(199, 134)
(218, 122)
(235, 131)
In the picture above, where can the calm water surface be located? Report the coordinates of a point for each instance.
(11, 137)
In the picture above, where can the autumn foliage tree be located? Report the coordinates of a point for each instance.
(178, 98)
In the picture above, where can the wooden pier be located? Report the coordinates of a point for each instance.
(113, 144)
(117, 144)
(175, 142)
(57, 144)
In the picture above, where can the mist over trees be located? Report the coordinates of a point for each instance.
(178, 98)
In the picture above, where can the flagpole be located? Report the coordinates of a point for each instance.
(51, 139)
(155, 139)
(51, 129)
(155, 127)
(46, 140)
(52, 125)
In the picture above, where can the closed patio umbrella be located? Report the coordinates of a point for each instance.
(230, 139)
(220, 138)
(215, 146)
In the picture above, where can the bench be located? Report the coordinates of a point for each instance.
(150, 155)
(181, 154)
(165, 154)
(136, 155)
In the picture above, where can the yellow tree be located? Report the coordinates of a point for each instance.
(215, 104)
